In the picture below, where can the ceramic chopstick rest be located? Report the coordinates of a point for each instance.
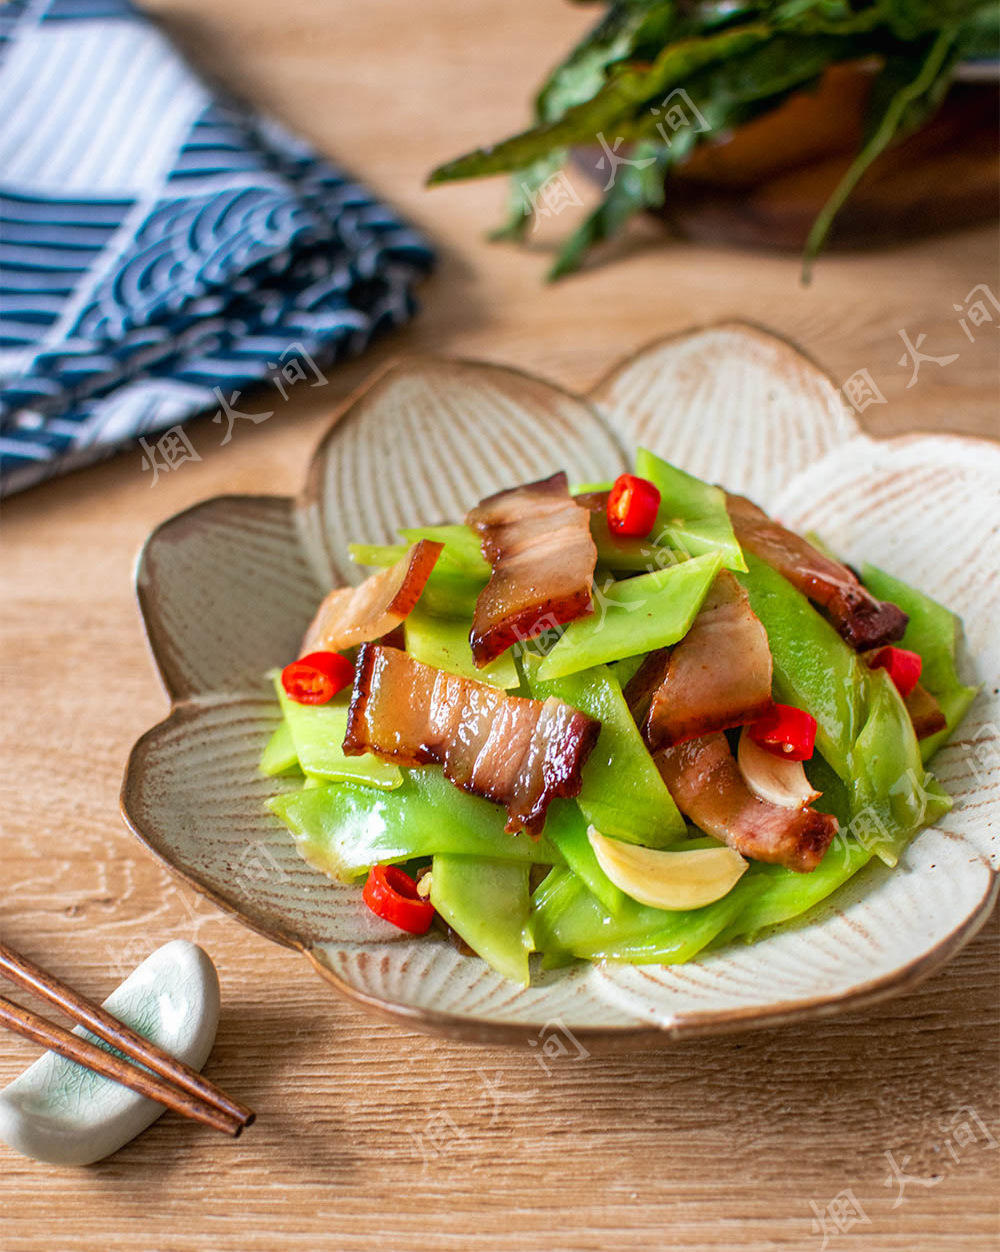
(63, 1114)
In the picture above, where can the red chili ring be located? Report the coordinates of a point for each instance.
(391, 894)
(633, 504)
(317, 677)
(785, 731)
(903, 666)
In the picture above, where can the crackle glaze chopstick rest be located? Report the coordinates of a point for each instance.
(62, 1114)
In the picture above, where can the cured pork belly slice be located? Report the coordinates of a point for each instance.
(859, 618)
(707, 786)
(538, 543)
(718, 675)
(517, 752)
(353, 615)
(925, 712)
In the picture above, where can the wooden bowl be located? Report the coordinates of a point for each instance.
(763, 186)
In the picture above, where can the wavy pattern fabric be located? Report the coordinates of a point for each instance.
(160, 244)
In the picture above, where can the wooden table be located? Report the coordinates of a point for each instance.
(369, 1137)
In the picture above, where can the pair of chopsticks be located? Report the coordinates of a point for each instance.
(171, 1083)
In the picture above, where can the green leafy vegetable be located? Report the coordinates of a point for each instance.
(909, 105)
(733, 61)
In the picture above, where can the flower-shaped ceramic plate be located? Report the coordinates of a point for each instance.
(227, 588)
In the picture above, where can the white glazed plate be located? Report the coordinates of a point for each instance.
(227, 588)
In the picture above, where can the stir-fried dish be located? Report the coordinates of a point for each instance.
(627, 722)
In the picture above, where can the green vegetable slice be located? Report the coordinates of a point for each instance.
(318, 730)
(693, 516)
(378, 554)
(568, 919)
(932, 631)
(782, 895)
(638, 555)
(814, 669)
(450, 590)
(893, 796)
(345, 828)
(566, 827)
(632, 616)
(486, 901)
(279, 755)
(461, 547)
(622, 794)
(444, 643)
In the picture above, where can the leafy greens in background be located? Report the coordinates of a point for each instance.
(736, 61)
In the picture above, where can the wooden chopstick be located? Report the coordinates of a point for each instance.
(172, 1083)
(23, 1022)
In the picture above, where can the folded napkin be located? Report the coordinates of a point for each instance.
(162, 248)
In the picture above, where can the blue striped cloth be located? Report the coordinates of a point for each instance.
(162, 248)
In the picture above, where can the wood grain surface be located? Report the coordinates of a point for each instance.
(369, 1137)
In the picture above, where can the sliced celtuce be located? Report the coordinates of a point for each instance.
(668, 880)
(774, 778)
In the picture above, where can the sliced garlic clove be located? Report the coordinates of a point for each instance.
(668, 880)
(774, 778)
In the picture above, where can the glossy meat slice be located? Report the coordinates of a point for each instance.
(537, 541)
(718, 675)
(706, 783)
(352, 615)
(860, 619)
(517, 752)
